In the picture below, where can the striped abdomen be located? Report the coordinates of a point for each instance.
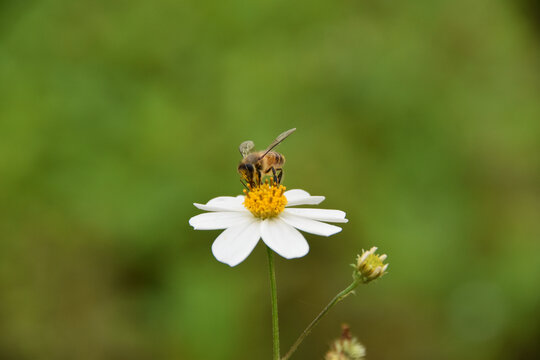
(272, 160)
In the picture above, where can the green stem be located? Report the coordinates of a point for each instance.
(273, 289)
(342, 295)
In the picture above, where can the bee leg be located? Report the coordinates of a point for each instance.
(276, 181)
(279, 176)
(259, 179)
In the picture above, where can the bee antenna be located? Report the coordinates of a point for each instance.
(243, 183)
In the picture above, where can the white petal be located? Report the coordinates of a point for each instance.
(301, 197)
(309, 225)
(223, 203)
(234, 244)
(296, 194)
(219, 220)
(283, 238)
(319, 214)
(363, 257)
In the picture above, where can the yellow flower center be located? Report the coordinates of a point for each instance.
(372, 262)
(266, 200)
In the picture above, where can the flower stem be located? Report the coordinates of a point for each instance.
(342, 295)
(273, 290)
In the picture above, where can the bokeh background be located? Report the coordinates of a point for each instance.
(421, 119)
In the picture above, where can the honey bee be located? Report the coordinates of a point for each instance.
(255, 165)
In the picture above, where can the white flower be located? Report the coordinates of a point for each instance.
(264, 212)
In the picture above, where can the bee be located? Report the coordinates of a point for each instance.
(255, 165)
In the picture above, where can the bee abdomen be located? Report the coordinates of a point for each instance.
(275, 158)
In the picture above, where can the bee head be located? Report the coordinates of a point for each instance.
(248, 172)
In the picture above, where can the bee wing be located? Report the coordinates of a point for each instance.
(246, 147)
(276, 142)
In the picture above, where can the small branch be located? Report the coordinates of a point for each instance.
(342, 295)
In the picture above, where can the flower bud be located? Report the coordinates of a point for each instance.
(370, 266)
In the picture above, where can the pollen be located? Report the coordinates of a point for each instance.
(266, 200)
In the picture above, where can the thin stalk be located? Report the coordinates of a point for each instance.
(273, 290)
(342, 295)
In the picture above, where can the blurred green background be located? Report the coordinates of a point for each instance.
(421, 119)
